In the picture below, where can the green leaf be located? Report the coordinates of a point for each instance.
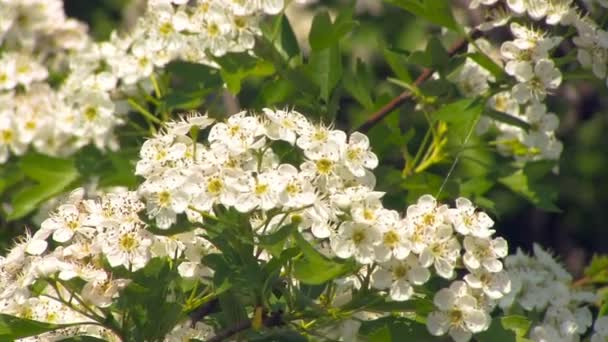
(52, 175)
(324, 34)
(283, 38)
(320, 36)
(597, 270)
(275, 242)
(436, 11)
(528, 184)
(393, 328)
(277, 91)
(506, 118)
(325, 69)
(10, 174)
(458, 111)
(354, 85)
(488, 64)
(314, 268)
(192, 76)
(439, 56)
(506, 329)
(12, 328)
(397, 63)
(237, 66)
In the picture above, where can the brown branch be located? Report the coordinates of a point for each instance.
(376, 117)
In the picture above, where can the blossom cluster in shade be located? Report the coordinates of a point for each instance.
(38, 41)
(527, 59)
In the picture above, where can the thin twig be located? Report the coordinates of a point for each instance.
(376, 117)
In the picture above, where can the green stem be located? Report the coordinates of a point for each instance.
(144, 111)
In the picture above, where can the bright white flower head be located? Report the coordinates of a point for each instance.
(399, 276)
(458, 313)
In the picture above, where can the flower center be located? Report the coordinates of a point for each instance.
(215, 186)
(324, 166)
(261, 188)
(7, 135)
(90, 113)
(164, 197)
(400, 271)
(127, 242)
(391, 238)
(358, 237)
(456, 317)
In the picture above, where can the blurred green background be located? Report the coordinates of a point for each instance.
(576, 232)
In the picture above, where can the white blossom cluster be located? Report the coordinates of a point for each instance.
(528, 60)
(540, 284)
(88, 233)
(331, 192)
(327, 189)
(38, 40)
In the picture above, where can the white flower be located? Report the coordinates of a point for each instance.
(395, 237)
(473, 79)
(357, 156)
(238, 133)
(399, 275)
(65, 222)
(535, 85)
(187, 122)
(320, 141)
(493, 285)
(102, 292)
(467, 221)
(127, 245)
(442, 251)
(592, 43)
(298, 191)
(284, 125)
(356, 239)
(165, 197)
(9, 140)
(217, 187)
(458, 313)
(261, 192)
(484, 252)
